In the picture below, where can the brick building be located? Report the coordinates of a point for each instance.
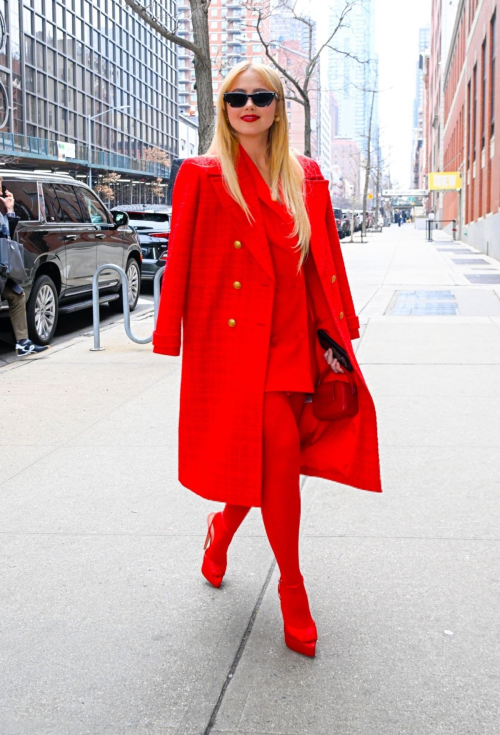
(470, 105)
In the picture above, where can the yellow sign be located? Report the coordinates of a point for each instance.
(444, 180)
(370, 196)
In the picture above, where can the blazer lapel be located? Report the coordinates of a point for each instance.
(252, 234)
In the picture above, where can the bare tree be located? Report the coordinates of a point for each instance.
(155, 15)
(157, 155)
(105, 187)
(300, 82)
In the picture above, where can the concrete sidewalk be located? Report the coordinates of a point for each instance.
(108, 627)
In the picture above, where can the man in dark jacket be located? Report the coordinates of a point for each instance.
(12, 292)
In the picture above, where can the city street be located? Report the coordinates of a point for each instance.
(108, 626)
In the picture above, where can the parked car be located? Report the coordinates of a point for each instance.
(152, 224)
(67, 232)
(338, 221)
(154, 254)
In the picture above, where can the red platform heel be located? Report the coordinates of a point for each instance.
(301, 640)
(211, 570)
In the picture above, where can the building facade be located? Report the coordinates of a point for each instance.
(417, 158)
(233, 38)
(349, 80)
(65, 68)
(471, 86)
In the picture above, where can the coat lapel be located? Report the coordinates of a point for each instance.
(317, 195)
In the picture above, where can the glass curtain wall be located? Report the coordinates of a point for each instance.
(64, 61)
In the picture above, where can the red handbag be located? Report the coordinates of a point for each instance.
(335, 399)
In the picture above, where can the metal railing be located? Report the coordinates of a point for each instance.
(26, 146)
(432, 224)
(126, 307)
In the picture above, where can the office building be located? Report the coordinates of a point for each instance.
(63, 63)
(349, 80)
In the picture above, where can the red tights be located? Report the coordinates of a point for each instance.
(280, 485)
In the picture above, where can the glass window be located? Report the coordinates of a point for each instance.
(51, 61)
(26, 198)
(92, 208)
(52, 207)
(70, 208)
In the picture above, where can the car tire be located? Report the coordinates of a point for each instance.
(42, 310)
(134, 287)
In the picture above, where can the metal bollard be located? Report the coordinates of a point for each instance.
(126, 309)
(156, 291)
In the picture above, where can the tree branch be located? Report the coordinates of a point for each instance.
(163, 31)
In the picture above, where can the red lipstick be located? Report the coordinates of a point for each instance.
(250, 118)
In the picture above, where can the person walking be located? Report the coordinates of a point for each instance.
(12, 292)
(254, 268)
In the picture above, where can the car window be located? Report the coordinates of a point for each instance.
(92, 208)
(149, 216)
(70, 208)
(52, 207)
(25, 195)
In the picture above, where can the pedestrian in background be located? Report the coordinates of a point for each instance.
(12, 292)
(254, 269)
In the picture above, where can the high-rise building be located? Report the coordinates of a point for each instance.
(418, 111)
(233, 38)
(295, 47)
(350, 80)
(65, 63)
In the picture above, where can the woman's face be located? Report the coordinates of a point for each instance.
(250, 120)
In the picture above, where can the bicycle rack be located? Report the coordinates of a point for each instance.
(126, 308)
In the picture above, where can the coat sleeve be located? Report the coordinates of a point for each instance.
(167, 335)
(352, 320)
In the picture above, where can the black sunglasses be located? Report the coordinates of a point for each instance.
(239, 99)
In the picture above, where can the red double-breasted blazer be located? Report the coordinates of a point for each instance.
(226, 336)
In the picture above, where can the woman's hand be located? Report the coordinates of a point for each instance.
(333, 362)
(8, 201)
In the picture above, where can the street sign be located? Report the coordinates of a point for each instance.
(65, 150)
(405, 193)
(445, 180)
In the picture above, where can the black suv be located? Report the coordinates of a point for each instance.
(67, 233)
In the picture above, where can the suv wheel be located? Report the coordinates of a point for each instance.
(42, 310)
(134, 287)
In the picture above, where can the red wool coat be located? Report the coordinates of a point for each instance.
(226, 337)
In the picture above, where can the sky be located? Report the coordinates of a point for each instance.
(396, 42)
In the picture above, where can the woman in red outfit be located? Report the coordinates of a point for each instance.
(240, 278)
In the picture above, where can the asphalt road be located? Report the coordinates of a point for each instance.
(71, 325)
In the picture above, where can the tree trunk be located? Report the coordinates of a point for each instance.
(368, 166)
(307, 127)
(203, 74)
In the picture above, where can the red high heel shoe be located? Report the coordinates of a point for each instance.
(212, 571)
(301, 640)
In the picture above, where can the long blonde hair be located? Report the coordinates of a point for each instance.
(287, 174)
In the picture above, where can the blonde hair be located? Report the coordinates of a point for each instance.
(287, 174)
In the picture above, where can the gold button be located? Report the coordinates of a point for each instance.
(237, 244)
(237, 284)
(341, 315)
(334, 278)
(232, 322)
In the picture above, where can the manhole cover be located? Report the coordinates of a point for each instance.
(488, 278)
(423, 303)
(459, 251)
(470, 261)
